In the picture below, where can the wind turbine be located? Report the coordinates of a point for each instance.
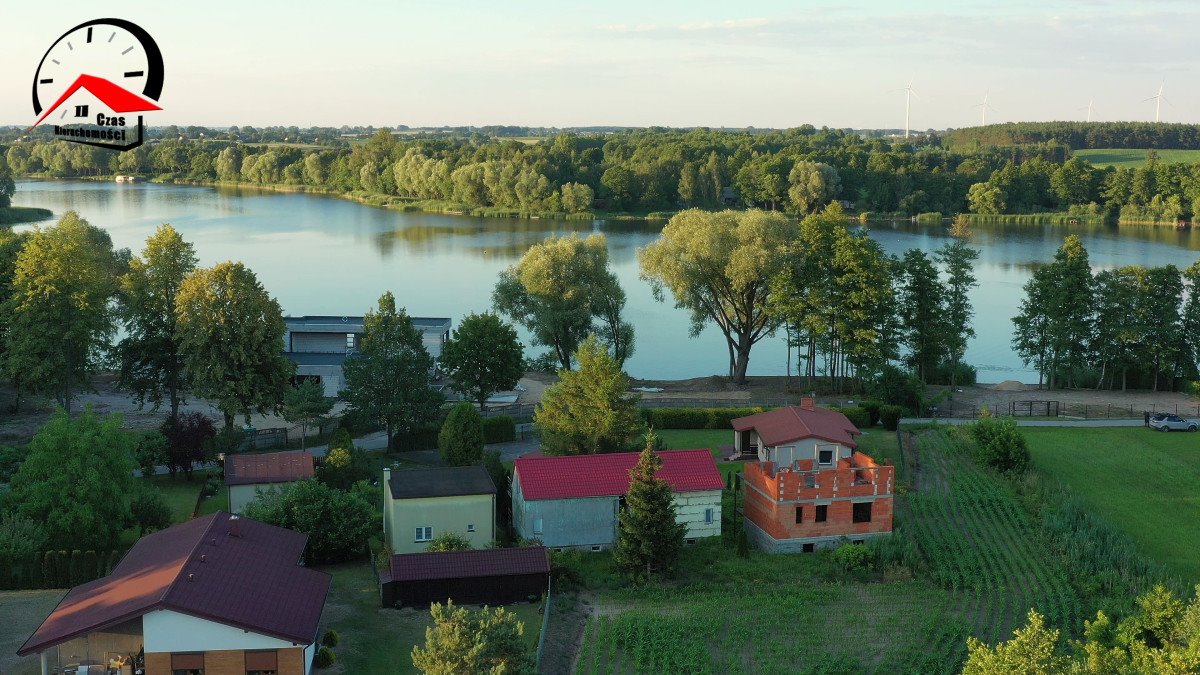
(909, 92)
(984, 107)
(1089, 108)
(1158, 100)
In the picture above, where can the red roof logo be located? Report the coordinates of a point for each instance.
(117, 99)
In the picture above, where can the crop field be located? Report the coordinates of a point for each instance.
(980, 543)
(1144, 482)
(775, 628)
(1122, 158)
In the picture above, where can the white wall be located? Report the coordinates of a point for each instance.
(309, 652)
(689, 510)
(241, 495)
(167, 631)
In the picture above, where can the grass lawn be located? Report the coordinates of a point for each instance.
(378, 640)
(180, 493)
(20, 613)
(1122, 158)
(1146, 482)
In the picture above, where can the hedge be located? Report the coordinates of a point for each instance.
(859, 417)
(57, 569)
(499, 429)
(695, 418)
(872, 408)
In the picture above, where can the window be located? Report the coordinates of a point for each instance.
(808, 548)
(708, 516)
(799, 514)
(825, 456)
(822, 513)
(537, 525)
(596, 548)
(471, 527)
(424, 533)
(862, 512)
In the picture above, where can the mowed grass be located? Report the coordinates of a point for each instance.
(378, 640)
(1123, 158)
(1145, 482)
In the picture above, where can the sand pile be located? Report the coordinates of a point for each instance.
(1009, 385)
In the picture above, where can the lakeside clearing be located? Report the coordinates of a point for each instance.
(1130, 159)
(1142, 481)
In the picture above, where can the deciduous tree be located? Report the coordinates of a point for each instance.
(230, 331)
(719, 266)
(388, 380)
(812, 185)
(589, 411)
(465, 641)
(461, 437)
(958, 260)
(88, 459)
(60, 314)
(305, 404)
(152, 363)
(337, 523)
(482, 357)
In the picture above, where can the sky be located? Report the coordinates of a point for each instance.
(640, 63)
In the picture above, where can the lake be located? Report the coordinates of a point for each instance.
(322, 255)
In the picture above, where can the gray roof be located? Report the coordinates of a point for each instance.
(353, 324)
(441, 482)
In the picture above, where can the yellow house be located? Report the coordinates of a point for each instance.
(421, 505)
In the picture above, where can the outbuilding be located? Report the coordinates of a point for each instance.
(492, 576)
(246, 475)
(574, 502)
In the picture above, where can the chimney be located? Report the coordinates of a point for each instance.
(203, 557)
(387, 475)
(235, 527)
(807, 403)
(191, 577)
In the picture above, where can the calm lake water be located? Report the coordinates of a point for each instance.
(321, 255)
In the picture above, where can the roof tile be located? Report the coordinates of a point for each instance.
(488, 562)
(548, 477)
(271, 467)
(784, 425)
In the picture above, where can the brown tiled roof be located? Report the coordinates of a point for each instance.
(784, 425)
(488, 562)
(271, 467)
(578, 476)
(250, 579)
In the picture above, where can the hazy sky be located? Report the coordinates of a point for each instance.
(642, 62)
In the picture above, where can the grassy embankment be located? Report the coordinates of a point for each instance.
(1123, 158)
(1142, 481)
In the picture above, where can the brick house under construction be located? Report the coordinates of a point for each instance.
(810, 487)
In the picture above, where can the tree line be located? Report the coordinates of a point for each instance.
(1130, 326)
(1080, 135)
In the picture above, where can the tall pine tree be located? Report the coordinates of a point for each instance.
(649, 538)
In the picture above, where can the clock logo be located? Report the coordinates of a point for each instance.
(94, 78)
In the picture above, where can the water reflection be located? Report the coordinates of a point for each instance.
(322, 255)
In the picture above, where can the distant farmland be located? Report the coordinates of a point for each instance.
(1135, 158)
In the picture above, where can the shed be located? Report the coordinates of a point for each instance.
(247, 474)
(492, 576)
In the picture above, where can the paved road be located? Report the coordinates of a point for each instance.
(1032, 423)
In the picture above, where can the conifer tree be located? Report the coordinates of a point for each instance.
(649, 538)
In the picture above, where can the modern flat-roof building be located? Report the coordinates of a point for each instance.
(319, 345)
(810, 487)
(247, 474)
(218, 594)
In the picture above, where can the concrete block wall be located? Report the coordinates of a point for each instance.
(690, 508)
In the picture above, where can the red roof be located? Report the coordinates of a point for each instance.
(251, 580)
(118, 99)
(272, 467)
(784, 425)
(488, 562)
(608, 475)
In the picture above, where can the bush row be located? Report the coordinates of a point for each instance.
(499, 429)
(58, 569)
(695, 418)
(857, 415)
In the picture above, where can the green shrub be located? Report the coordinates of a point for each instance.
(929, 217)
(341, 438)
(499, 429)
(75, 569)
(890, 416)
(461, 437)
(324, 658)
(872, 407)
(50, 570)
(857, 416)
(421, 438)
(330, 638)
(1000, 445)
(854, 557)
